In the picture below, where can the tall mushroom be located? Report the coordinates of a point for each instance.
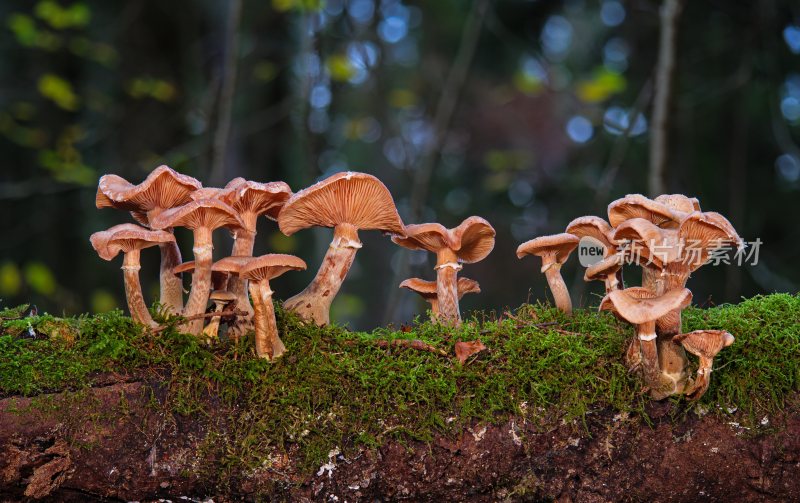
(202, 217)
(251, 200)
(705, 344)
(471, 241)
(641, 307)
(163, 188)
(427, 290)
(606, 271)
(348, 202)
(554, 251)
(130, 239)
(259, 271)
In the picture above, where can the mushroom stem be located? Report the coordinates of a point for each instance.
(201, 279)
(672, 357)
(700, 385)
(552, 271)
(242, 246)
(660, 383)
(133, 289)
(171, 291)
(447, 268)
(212, 329)
(612, 283)
(268, 344)
(314, 302)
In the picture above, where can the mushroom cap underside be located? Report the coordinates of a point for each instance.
(638, 305)
(557, 246)
(163, 188)
(204, 213)
(127, 237)
(271, 266)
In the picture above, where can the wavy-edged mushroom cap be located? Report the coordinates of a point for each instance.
(257, 198)
(705, 343)
(205, 213)
(351, 198)
(207, 193)
(606, 267)
(638, 206)
(679, 202)
(222, 296)
(704, 232)
(231, 265)
(652, 242)
(271, 266)
(163, 188)
(474, 238)
(593, 227)
(552, 249)
(638, 305)
(430, 237)
(426, 289)
(467, 285)
(126, 237)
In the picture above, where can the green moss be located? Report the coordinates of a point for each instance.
(339, 388)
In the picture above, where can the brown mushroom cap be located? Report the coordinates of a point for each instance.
(352, 198)
(593, 227)
(427, 289)
(606, 267)
(205, 213)
(218, 278)
(258, 198)
(127, 237)
(472, 240)
(271, 266)
(679, 202)
(638, 206)
(705, 232)
(207, 193)
(638, 306)
(231, 265)
(163, 188)
(222, 296)
(652, 242)
(705, 343)
(558, 245)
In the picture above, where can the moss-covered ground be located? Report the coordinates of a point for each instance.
(335, 387)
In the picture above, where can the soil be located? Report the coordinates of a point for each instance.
(114, 442)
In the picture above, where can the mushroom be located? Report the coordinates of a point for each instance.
(163, 188)
(679, 202)
(130, 239)
(641, 307)
(259, 271)
(348, 202)
(705, 344)
(638, 206)
(202, 217)
(427, 290)
(231, 267)
(606, 271)
(471, 241)
(595, 228)
(221, 300)
(554, 250)
(251, 200)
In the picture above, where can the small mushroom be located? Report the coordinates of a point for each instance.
(219, 279)
(230, 267)
(259, 271)
(640, 307)
(221, 300)
(705, 344)
(471, 241)
(596, 228)
(251, 200)
(606, 271)
(202, 217)
(427, 290)
(348, 202)
(130, 239)
(554, 250)
(163, 188)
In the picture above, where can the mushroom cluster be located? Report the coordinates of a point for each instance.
(669, 237)
(239, 283)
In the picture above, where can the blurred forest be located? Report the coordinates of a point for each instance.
(528, 113)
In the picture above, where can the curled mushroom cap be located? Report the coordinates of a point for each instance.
(638, 206)
(425, 289)
(553, 249)
(248, 197)
(639, 305)
(125, 238)
(606, 270)
(358, 199)
(679, 202)
(219, 279)
(593, 227)
(705, 343)
(650, 243)
(701, 233)
(163, 188)
(271, 266)
(204, 213)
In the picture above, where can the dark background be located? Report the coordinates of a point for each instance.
(523, 112)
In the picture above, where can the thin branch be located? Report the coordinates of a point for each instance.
(230, 68)
(665, 72)
(181, 319)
